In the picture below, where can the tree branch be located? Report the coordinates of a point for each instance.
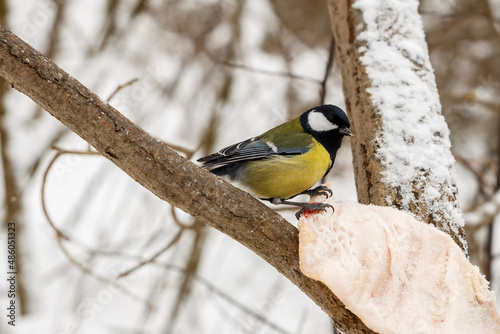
(162, 171)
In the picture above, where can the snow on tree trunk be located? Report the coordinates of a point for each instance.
(401, 145)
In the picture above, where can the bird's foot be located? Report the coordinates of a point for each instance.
(305, 206)
(313, 207)
(319, 191)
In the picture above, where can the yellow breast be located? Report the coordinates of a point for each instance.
(286, 176)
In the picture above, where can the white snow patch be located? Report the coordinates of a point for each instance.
(414, 141)
(398, 275)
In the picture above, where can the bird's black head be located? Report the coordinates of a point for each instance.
(326, 119)
(328, 124)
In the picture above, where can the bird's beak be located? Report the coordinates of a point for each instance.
(345, 132)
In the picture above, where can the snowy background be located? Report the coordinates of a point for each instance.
(205, 75)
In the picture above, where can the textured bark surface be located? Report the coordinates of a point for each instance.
(347, 25)
(162, 171)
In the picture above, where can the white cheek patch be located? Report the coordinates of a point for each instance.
(319, 123)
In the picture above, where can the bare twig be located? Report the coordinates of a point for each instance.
(479, 177)
(301, 323)
(42, 197)
(155, 256)
(256, 70)
(119, 88)
(484, 214)
(189, 153)
(192, 265)
(59, 153)
(173, 267)
(329, 64)
(12, 195)
(181, 224)
(212, 288)
(97, 276)
(61, 236)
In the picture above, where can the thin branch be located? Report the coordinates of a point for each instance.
(119, 88)
(66, 237)
(189, 153)
(12, 195)
(61, 236)
(301, 323)
(181, 224)
(329, 64)
(103, 279)
(212, 288)
(59, 153)
(196, 278)
(161, 170)
(479, 177)
(172, 242)
(192, 264)
(62, 151)
(44, 206)
(484, 214)
(257, 70)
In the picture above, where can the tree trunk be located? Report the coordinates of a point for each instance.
(401, 148)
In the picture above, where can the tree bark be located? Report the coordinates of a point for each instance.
(390, 29)
(162, 171)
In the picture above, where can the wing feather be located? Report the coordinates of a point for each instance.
(250, 149)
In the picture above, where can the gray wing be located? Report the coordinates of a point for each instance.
(250, 149)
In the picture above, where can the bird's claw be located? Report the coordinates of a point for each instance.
(319, 191)
(313, 207)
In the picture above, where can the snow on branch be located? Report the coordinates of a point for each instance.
(401, 141)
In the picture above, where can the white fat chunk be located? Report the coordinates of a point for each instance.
(397, 274)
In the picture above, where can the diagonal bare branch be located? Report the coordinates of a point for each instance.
(162, 171)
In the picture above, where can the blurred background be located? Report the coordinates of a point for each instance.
(201, 75)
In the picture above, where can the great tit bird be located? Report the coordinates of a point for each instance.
(287, 160)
